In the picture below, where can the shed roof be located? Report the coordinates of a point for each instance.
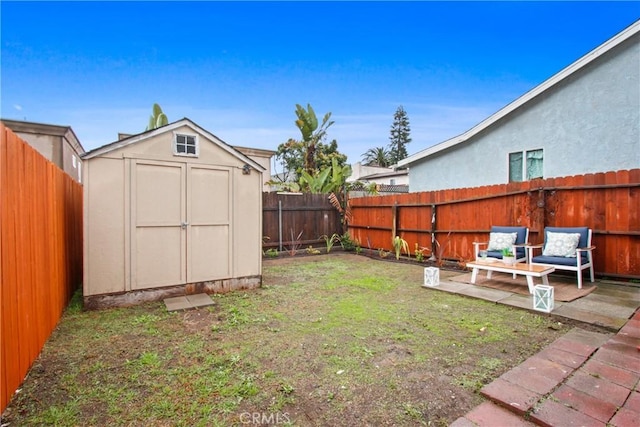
(544, 86)
(134, 139)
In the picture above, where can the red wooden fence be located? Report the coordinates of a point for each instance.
(609, 203)
(41, 251)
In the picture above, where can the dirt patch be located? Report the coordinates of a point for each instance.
(198, 320)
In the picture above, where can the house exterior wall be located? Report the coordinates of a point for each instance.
(57, 144)
(400, 179)
(47, 145)
(109, 229)
(71, 161)
(263, 158)
(358, 170)
(587, 123)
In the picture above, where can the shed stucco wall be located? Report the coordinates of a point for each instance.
(587, 123)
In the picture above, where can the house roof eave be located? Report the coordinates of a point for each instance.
(402, 172)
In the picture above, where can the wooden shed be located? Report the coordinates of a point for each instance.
(169, 212)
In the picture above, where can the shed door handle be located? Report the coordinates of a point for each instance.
(183, 225)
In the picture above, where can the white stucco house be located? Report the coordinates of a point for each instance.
(388, 180)
(584, 119)
(378, 175)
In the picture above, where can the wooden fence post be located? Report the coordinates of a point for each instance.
(394, 220)
(433, 232)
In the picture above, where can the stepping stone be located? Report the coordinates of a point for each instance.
(200, 300)
(187, 302)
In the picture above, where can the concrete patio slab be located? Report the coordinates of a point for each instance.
(453, 287)
(523, 301)
(488, 294)
(622, 299)
(618, 289)
(585, 315)
(610, 307)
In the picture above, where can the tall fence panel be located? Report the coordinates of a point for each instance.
(287, 216)
(41, 254)
(447, 222)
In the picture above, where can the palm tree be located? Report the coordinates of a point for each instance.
(378, 156)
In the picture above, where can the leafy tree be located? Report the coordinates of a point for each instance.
(157, 118)
(310, 154)
(399, 138)
(378, 156)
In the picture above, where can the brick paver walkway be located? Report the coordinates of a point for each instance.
(581, 379)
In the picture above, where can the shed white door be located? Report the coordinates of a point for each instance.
(180, 224)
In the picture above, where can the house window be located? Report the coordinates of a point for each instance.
(525, 165)
(185, 145)
(392, 181)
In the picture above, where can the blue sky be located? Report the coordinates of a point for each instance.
(238, 68)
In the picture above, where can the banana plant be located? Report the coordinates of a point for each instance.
(307, 122)
(316, 183)
(157, 119)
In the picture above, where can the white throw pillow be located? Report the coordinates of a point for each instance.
(500, 241)
(561, 244)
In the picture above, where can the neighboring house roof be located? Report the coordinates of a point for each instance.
(134, 139)
(401, 172)
(544, 86)
(254, 151)
(46, 129)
